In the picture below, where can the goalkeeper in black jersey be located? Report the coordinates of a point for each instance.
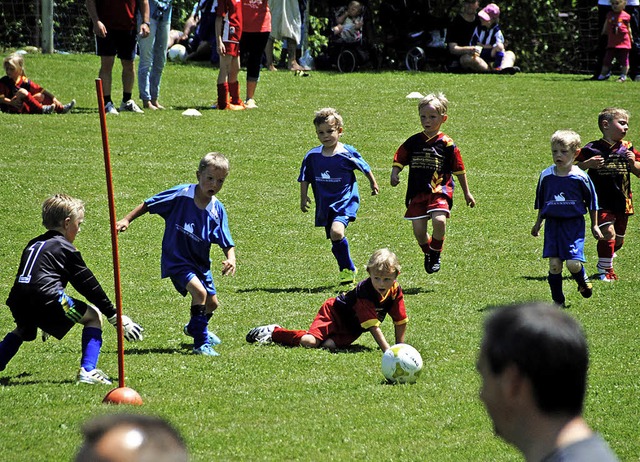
(37, 299)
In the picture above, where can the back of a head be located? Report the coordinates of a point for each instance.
(548, 346)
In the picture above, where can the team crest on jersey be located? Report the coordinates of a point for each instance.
(326, 177)
(189, 230)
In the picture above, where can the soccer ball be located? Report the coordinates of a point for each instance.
(177, 53)
(401, 364)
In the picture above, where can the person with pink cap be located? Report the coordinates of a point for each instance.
(490, 48)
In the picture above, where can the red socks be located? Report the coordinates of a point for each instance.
(287, 337)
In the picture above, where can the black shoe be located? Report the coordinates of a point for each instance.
(510, 70)
(432, 262)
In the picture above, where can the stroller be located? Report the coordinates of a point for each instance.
(348, 47)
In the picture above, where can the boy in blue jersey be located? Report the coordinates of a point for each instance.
(329, 169)
(564, 195)
(194, 219)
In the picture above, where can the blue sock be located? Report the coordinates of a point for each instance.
(340, 250)
(581, 277)
(91, 344)
(497, 60)
(198, 329)
(555, 284)
(8, 348)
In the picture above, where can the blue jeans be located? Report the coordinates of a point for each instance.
(153, 56)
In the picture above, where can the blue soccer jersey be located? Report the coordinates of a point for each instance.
(189, 230)
(565, 196)
(333, 181)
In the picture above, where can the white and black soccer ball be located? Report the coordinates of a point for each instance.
(177, 53)
(401, 364)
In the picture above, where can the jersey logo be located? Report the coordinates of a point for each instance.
(559, 197)
(325, 175)
(188, 227)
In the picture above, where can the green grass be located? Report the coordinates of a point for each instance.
(272, 403)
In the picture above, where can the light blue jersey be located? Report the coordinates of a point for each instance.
(333, 181)
(189, 230)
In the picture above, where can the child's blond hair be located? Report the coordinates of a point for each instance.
(567, 138)
(16, 60)
(384, 261)
(611, 113)
(436, 100)
(214, 159)
(328, 115)
(58, 208)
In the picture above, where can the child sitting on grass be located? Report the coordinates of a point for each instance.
(20, 95)
(564, 195)
(341, 320)
(38, 299)
(194, 219)
(329, 170)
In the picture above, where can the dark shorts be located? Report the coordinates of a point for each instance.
(345, 220)
(55, 318)
(181, 280)
(120, 43)
(564, 239)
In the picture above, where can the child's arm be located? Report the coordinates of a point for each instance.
(219, 43)
(395, 175)
(379, 338)
(374, 184)
(123, 224)
(462, 178)
(634, 165)
(229, 265)
(595, 229)
(400, 330)
(592, 162)
(535, 231)
(305, 201)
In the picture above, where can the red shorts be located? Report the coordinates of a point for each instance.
(424, 204)
(327, 325)
(232, 49)
(618, 219)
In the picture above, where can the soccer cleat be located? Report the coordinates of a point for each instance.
(586, 290)
(250, 104)
(607, 275)
(67, 107)
(48, 109)
(212, 338)
(236, 107)
(109, 108)
(432, 262)
(93, 377)
(261, 334)
(130, 106)
(205, 350)
(348, 276)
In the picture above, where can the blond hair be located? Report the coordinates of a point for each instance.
(57, 208)
(384, 261)
(214, 159)
(611, 113)
(567, 138)
(436, 100)
(16, 60)
(328, 115)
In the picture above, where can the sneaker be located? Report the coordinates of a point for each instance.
(604, 77)
(48, 108)
(586, 290)
(261, 334)
(622, 78)
(93, 377)
(607, 275)
(348, 276)
(205, 350)
(67, 107)
(250, 104)
(432, 262)
(212, 338)
(130, 106)
(109, 108)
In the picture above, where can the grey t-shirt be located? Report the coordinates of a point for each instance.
(593, 449)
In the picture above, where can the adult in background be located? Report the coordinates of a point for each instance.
(127, 437)
(286, 22)
(256, 27)
(461, 31)
(153, 53)
(114, 23)
(533, 363)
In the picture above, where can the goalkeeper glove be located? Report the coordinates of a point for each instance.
(132, 331)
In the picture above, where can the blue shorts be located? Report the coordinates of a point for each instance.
(564, 239)
(181, 280)
(339, 218)
(120, 43)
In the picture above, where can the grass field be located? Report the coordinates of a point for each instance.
(269, 403)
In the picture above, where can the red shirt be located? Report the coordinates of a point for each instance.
(618, 26)
(231, 11)
(117, 14)
(256, 16)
